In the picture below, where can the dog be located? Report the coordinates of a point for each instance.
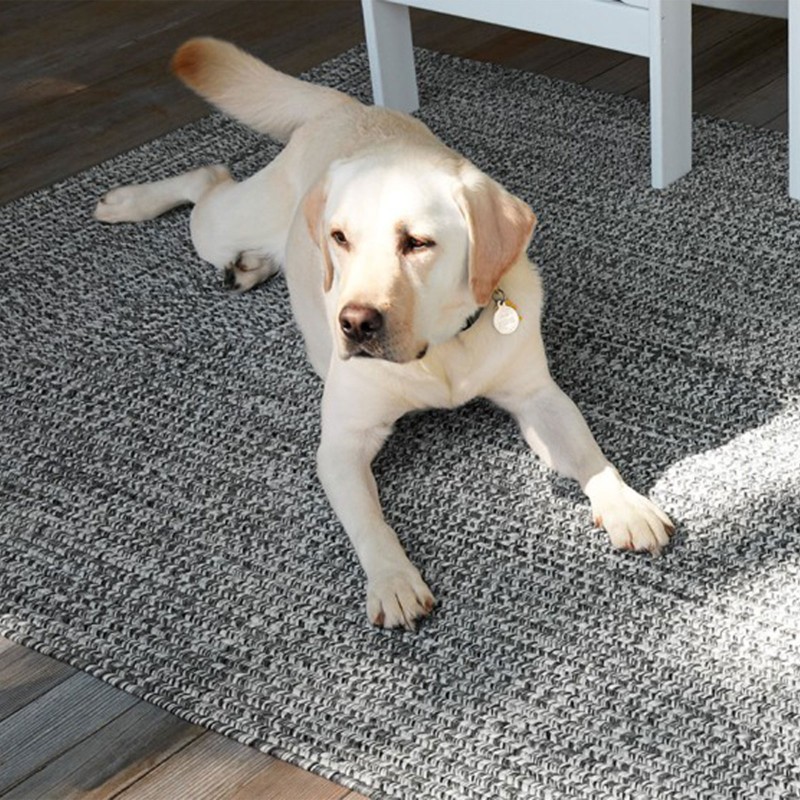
(409, 279)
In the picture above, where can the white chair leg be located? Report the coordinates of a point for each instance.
(794, 99)
(391, 54)
(670, 90)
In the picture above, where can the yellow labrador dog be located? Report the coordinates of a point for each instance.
(409, 280)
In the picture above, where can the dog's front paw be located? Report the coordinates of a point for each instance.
(633, 522)
(398, 598)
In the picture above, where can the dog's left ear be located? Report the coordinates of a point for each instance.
(313, 208)
(500, 227)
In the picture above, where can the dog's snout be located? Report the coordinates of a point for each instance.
(360, 323)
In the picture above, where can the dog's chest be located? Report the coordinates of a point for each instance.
(444, 382)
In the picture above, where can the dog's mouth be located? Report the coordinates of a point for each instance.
(383, 354)
(369, 349)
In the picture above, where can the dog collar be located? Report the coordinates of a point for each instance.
(506, 318)
(472, 318)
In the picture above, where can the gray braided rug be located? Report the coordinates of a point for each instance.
(162, 527)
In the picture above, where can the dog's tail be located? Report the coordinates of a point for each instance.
(248, 90)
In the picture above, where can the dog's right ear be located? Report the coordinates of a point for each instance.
(314, 208)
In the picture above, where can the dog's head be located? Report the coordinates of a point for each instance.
(412, 245)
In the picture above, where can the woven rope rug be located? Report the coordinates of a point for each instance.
(162, 526)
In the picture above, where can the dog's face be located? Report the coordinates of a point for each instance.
(411, 248)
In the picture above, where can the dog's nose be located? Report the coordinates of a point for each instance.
(360, 323)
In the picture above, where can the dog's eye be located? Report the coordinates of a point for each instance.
(339, 237)
(412, 243)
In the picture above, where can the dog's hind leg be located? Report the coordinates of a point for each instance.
(241, 227)
(143, 201)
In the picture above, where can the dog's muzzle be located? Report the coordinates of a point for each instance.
(366, 336)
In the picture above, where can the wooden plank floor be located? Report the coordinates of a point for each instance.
(83, 80)
(65, 735)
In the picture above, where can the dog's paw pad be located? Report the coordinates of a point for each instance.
(398, 599)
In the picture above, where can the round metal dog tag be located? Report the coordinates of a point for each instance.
(506, 319)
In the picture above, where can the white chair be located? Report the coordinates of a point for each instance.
(662, 32)
(657, 29)
(794, 98)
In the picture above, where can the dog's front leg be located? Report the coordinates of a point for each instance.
(555, 429)
(396, 594)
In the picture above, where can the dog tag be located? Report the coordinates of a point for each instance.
(506, 318)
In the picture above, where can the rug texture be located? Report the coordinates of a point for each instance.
(162, 526)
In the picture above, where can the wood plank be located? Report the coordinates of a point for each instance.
(728, 53)
(102, 85)
(29, 739)
(19, 14)
(33, 75)
(711, 28)
(588, 64)
(279, 781)
(627, 76)
(779, 123)
(20, 49)
(127, 108)
(87, 131)
(491, 43)
(149, 37)
(763, 105)
(113, 758)
(763, 66)
(210, 768)
(26, 677)
(7, 647)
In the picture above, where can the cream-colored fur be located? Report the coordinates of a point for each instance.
(390, 242)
